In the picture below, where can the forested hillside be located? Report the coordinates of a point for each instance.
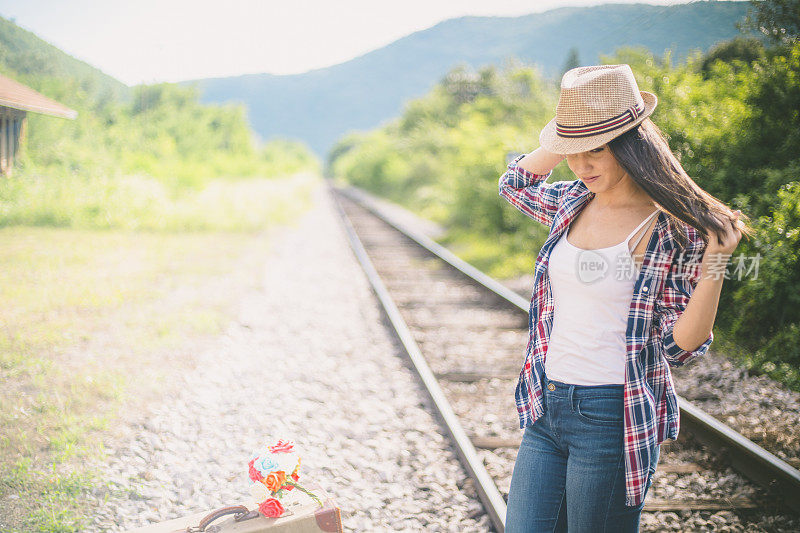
(44, 67)
(732, 116)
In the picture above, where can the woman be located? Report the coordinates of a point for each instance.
(626, 284)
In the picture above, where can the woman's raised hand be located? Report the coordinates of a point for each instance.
(730, 239)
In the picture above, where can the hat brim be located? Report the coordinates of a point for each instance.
(552, 142)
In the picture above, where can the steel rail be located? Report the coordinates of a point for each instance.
(747, 457)
(490, 496)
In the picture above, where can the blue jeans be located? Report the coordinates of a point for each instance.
(570, 468)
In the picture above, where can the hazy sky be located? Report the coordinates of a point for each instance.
(147, 41)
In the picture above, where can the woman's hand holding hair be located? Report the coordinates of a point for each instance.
(719, 250)
(695, 324)
(730, 239)
(540, 161)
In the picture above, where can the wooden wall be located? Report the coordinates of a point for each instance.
(11, 124)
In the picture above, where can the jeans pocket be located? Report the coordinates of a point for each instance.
(600, 410)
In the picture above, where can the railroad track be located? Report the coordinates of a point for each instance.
(463, 332)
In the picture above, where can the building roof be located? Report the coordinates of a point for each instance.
(18, 96)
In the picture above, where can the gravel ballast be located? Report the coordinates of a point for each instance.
(309, 358)
(458, 330)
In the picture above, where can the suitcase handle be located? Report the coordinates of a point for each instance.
(240, 513)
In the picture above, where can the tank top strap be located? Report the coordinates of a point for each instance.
(644, 222)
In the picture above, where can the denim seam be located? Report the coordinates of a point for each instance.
(610, 499)
(551, 423)
(560, 505)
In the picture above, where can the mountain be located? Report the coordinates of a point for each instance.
(321, 105)
(32, 61)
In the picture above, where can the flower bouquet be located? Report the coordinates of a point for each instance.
(268, 469)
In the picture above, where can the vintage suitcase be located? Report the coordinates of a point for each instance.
(301, 518)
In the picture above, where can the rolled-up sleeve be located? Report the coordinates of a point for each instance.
(530, 193)
(678, 288)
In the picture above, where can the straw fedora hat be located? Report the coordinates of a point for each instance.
(596, 104)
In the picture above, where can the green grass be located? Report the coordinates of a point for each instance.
(60, 508)
(93, 316)
(140, 203)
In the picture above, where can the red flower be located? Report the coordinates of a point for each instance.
(271, 508)
(282, 447)
(255, 475)
(294, 476)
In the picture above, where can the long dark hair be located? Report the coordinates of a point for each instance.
(644, 153)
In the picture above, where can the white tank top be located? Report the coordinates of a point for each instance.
(592, 291)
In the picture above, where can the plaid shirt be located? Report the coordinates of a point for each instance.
(662, 290)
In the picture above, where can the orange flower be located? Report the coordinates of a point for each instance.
(275, 480)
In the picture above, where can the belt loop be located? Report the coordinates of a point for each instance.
(571, 393)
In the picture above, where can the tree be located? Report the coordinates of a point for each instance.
(462, 83)
(746, 49)
(572, 60)
(777, 19)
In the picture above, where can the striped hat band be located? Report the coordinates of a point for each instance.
(604, 126)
